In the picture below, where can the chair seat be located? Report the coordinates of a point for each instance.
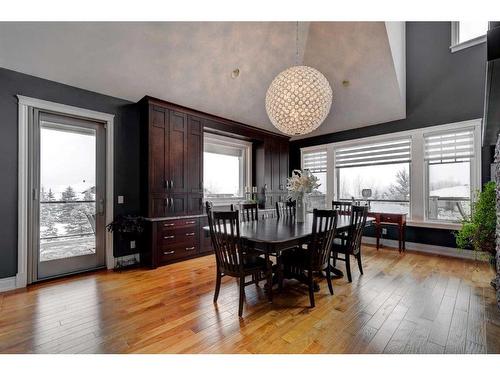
(252, 262)
(339, 247)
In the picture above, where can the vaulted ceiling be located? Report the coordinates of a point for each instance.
(190, 63)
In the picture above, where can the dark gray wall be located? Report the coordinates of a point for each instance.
(126, 127)
(441, 87)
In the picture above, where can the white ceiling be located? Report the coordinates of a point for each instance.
(190, 63)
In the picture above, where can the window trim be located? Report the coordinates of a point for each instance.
(417, 211)
(455, 39)
(246, 146)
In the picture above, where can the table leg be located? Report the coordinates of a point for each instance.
(404, 237)
(400, 237)
(377, 234)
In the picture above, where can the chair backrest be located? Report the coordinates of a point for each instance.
(285, 209)
(343, 207)
(209, 206)
(355, 232)
(249, 211)
(323, 232)
(225, 229)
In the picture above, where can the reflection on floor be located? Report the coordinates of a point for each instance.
(410, 303)
(58, 248)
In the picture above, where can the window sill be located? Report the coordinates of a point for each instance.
(468, 43)
(434, 225)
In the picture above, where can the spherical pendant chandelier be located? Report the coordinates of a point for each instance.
(299, 99)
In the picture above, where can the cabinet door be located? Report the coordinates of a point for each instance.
(177, 156)
(205, 240)
(275, 166)
(178, 204)
(195, 155)
(158, 150)
(284, 151)
(195, 203)
(157, 205)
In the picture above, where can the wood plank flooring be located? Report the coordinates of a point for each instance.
(410, 303)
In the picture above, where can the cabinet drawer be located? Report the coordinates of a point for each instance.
(390, 218)
(176, 252)
(177, 223)
(171, 238)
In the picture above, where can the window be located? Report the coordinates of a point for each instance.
(429, 173)
(316, 162)
(226, 168)
(376, 172)
(467, 33)
(448, 161)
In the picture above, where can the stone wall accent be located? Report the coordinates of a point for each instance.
(496, 281)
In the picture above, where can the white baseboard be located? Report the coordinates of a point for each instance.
(431, 249)
(7, 283)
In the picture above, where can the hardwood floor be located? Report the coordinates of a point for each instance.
(410, 303)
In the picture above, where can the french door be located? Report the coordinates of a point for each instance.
(67, 207)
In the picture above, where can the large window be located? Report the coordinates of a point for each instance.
(226, 168)
(429, 173)
(377, 173)
(467, 33)
(448, 163)
(316, 162)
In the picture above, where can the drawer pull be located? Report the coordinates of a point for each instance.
(190, 248)
(168, 252)
(190, 234)
(168, 237)
(168, 225)
(190, 222)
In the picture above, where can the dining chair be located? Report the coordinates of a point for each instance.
(285, 209)
(301, 264)
(350, 244)
(232, 259)
(343, 207)
(249, 211)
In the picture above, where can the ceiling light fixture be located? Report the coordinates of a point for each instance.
(235, 73)
(299, 98)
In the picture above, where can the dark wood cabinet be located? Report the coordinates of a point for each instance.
(173, 158)
(172, 175)
(276, 171)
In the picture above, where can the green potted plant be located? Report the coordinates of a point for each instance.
(127, 225)
(478, 230)
(129, 229)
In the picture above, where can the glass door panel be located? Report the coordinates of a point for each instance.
(70, 183)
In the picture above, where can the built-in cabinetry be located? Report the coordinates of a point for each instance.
(172, 176)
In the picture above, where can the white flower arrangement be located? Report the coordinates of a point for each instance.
(301, 182)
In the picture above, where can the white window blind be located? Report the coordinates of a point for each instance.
(449, 147)
(315, 161)
(385, 152)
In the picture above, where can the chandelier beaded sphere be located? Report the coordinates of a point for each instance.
(298, 100)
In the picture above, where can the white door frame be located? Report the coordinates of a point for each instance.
(22, 192)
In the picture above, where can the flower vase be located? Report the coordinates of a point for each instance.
(300, 209)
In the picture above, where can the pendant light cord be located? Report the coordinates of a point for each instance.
(297, 43)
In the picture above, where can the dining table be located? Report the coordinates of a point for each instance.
(274, 235)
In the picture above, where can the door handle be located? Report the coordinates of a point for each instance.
(168, 237)
(100, 207)
(171, 184)
(190, 248)
(171, 202)
(191, 222)
(190, 234)
(168, 252)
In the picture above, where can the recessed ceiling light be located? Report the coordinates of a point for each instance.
(235, 73)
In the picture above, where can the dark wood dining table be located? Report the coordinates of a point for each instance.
(274, 235)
